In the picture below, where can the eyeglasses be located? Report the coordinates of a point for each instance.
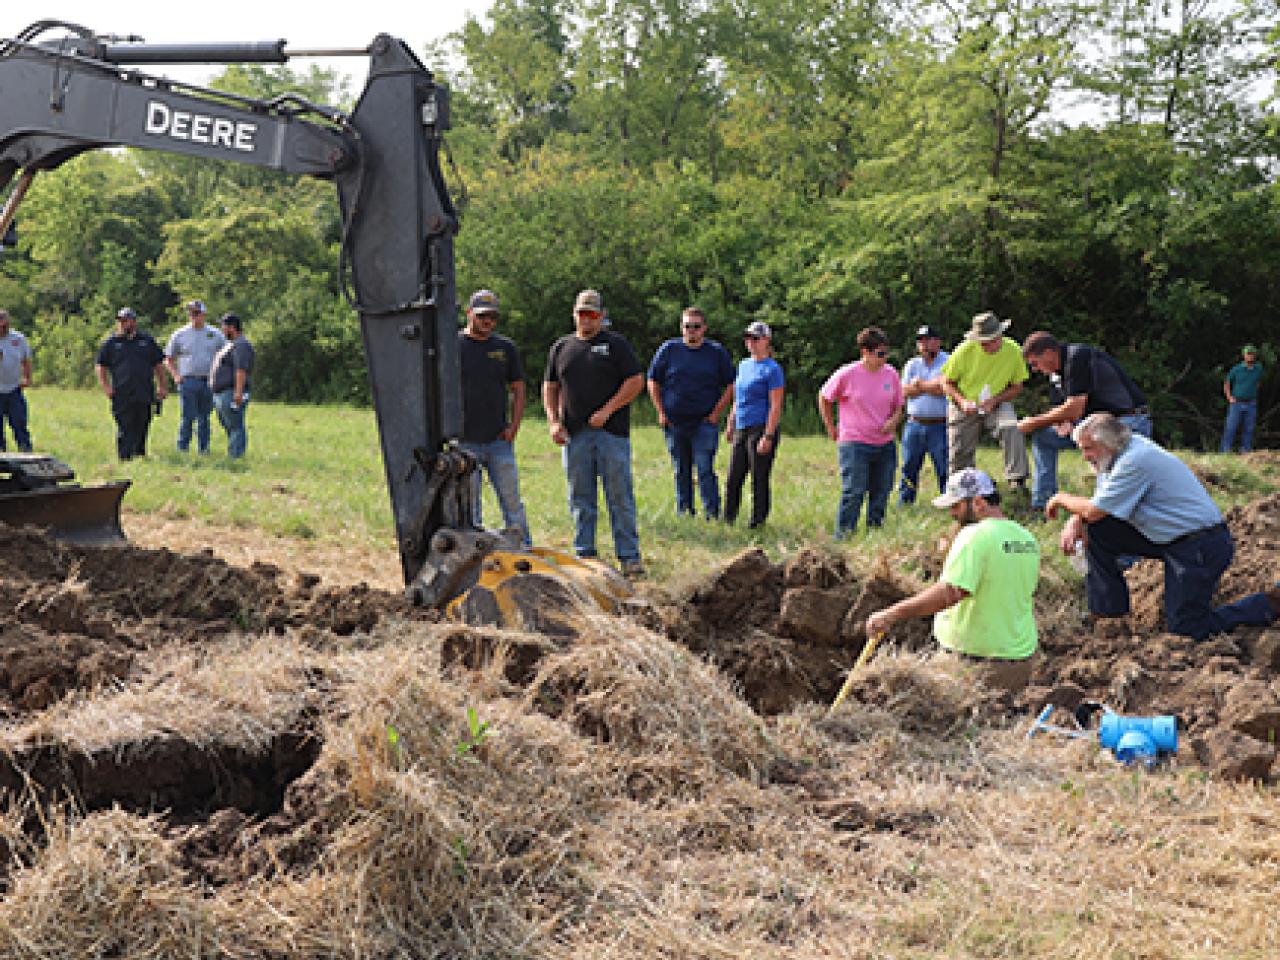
(693, 326)
(487, 315)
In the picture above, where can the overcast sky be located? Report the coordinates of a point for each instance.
(305, 24)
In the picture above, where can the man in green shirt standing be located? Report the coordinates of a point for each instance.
(1241, 388)
(981, 604)
(981, 378)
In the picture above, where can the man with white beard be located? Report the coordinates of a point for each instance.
(1148, 503)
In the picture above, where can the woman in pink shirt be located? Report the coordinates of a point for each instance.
(868, 394)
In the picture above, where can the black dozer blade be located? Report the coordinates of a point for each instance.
(37, 490)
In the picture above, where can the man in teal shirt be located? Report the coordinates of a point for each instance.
(1241, 388)
(982, 601)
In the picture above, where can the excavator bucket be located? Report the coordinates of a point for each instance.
(37, 490)
(540, 590)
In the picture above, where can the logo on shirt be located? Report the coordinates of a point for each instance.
(497, 355)
(601, 349)
(1020, 546)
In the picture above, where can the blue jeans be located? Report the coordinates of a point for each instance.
(1241, 416)
(866, 470)
(232, 419)
(597, 456)
(1046, 444)
(694, 448)
(919, 439)
(1193, 566)
(197, 405)
(498, 459)
(13, 407)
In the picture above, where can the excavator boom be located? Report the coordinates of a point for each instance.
(63, 96)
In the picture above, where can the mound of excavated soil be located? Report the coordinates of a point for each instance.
(81, 614)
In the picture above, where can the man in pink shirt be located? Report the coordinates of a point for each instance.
(868, 393)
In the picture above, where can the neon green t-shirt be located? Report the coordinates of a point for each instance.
(997, 562)
(972, 368)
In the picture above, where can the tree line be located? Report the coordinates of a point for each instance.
(1102, 170)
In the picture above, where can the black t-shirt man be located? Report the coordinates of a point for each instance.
(131, 362)
(1095, 375)
(590, 372)
(489, 367)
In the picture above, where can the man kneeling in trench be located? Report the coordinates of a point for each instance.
(1147, 503)
(981, 604)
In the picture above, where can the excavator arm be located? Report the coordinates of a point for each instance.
(81, 91)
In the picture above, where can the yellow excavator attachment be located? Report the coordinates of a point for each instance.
(540, 590)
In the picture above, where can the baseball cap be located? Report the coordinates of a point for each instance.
(758, 328)
(483, 301)
(126, 313)
(927, 331)
(589, 300)
(196, 306)
(1248, 348)
(963, 485)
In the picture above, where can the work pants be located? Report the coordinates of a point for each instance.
(919, 439)
(693, 449)
(498, 459)
(1193, 565)
(866, 470)
(196, 400)
(13, 407)
(963, 431)
(1241, 417)
(231, 415)
(744, 458)
(133, 420)
(595, 458)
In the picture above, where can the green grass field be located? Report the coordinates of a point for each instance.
(315, 472)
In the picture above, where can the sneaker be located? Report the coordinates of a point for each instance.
(633, 569)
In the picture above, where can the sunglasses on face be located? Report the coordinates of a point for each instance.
(693, 326)
(753, 336)
(880, 353)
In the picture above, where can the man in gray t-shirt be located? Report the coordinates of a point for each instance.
(229, 378)
(189, 355)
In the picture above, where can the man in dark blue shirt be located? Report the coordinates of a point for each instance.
(133, 359)
(691, 384)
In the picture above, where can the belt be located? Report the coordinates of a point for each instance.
(1197, 533)
(927, 421)
(195, 376)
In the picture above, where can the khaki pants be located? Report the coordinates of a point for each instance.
(1011, 676)
(963, 431)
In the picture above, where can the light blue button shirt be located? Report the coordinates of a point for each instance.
(926, 405)
(1156, 492)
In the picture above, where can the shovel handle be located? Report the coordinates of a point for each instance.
(867, 649)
